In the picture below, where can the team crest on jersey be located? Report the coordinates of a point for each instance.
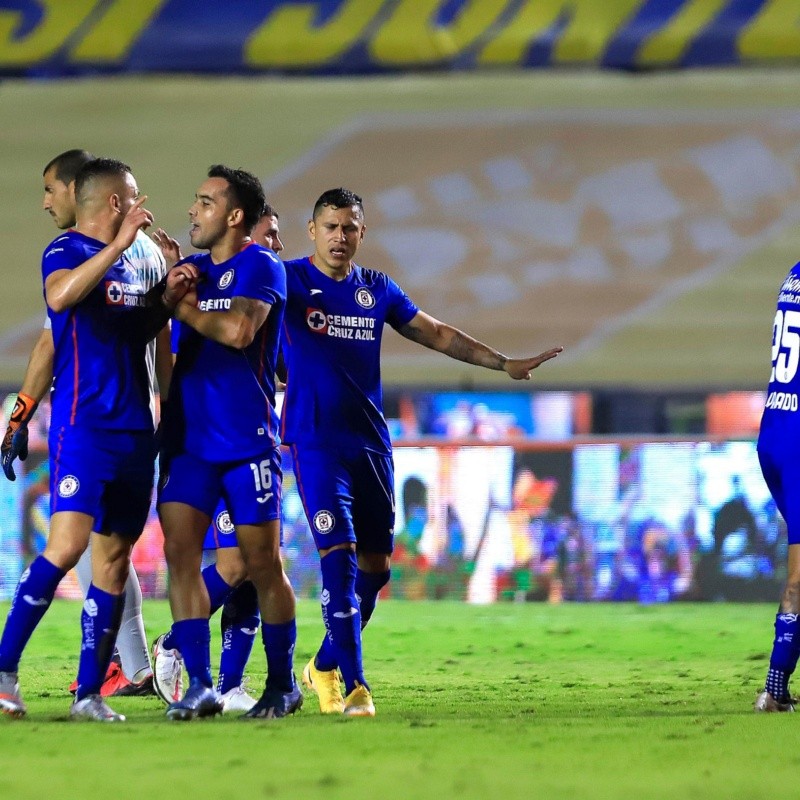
(223, 522)
(124, 294)
(324, 521)
(316, 320)
(225, 279)
(365, 298)
(68, 486)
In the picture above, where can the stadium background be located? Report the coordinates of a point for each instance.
(618, 177)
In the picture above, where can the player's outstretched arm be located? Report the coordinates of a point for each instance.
(235, 327)
(426, 330)
(38, 379)
(65, 288)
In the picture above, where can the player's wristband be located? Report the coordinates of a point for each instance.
(24, 409)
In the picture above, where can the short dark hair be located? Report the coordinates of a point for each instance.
(244, 191)
(269, 211)
(338, 198)
(98, 168)
(68, 164)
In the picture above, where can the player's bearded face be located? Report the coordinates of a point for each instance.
(59, 200)
(208, 216)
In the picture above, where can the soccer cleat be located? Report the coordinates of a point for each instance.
(199, 701)
(325, 684)
(120, 686)
(766, 703)
(237, 699)
(10, 699)
(113, 673)
(93, 707)
(276, 703)
(359, 703)
(167, 672)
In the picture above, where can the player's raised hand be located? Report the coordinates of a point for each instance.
(170, 248)
(521, 368)
(181, 281)
(137, 218)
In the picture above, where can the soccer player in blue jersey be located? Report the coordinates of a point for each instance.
(101, 434)
(221, 438)
(131, 672)
(333, 420)
(778, 443)
(240, 618)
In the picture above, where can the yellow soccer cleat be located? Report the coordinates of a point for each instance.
(359, 703)
(326, 686)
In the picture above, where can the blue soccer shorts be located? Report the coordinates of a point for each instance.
(781, 470)
(106, 474)
(250, 490)
(347, 497)
(220, 534)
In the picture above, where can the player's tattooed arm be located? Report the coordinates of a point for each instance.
(235, 327)
(444, 338)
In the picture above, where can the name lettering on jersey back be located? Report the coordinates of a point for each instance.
(215, 304)
(341, 326)
(124, 294)
(790, 291)
(784, 401)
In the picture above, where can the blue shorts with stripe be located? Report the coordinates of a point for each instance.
(777, 455)
(220, 534)
(348, 496)
(106, 474)
(250, 490)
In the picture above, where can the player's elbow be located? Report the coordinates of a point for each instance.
(56, 302)
(241, 334)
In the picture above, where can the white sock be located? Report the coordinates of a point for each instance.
(134, 653)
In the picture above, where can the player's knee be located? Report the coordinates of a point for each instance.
(64, 554)
(264, 566)
(231, 566)
(374, 562)
(181, 552)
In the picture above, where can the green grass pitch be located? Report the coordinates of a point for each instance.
(503, 701)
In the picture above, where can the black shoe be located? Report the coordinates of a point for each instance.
(199, 701)
(275, 703)
(127, 689)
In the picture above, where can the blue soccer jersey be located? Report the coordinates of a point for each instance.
(222, 399)
(100, 376)
(780, 424)
(331, 344)
(784, 382)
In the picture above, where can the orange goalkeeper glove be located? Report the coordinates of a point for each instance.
(15, 442)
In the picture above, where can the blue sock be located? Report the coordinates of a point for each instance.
(785, 652)
(218, 593)
(218, 590)
(239, 622)
(341, 615)
(33, 596)
(279, 641)
(193, 639)
(100, 621)
(368, 587)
